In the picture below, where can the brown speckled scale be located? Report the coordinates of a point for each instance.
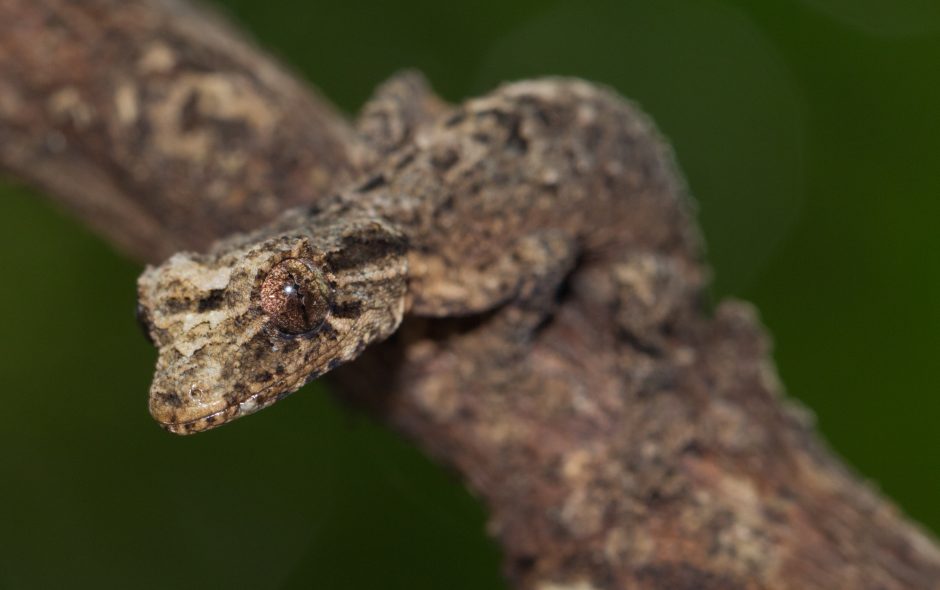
(487, 208)
(514, 284)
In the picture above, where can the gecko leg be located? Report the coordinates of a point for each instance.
(544, 261)
(401, 105)
(525, 276)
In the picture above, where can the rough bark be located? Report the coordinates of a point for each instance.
(660, 456)
(157, 125)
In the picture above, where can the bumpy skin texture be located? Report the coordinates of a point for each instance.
(487, 209)
(226, 351)
(531, 257)
(621, 435)
(546, 337)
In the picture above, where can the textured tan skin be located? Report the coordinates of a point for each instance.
(545, 335)
(469, 217)
(220, 355)
(634, 439)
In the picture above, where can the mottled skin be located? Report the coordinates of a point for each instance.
(486, 209)
(222, 355)
(516, 284)
(632, 439)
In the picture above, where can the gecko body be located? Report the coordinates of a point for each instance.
(483, 208)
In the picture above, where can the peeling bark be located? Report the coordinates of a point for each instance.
(661, 456)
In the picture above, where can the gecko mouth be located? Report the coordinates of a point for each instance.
(176, 416)
(256, 401)
(167, 414)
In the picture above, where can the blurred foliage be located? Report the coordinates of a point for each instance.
(810, 137)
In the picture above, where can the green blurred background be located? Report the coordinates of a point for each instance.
(810, 135)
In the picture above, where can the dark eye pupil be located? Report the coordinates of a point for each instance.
(293, 298)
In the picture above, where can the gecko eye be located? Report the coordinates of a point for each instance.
(294, 296)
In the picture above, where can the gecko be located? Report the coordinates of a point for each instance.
(484, 209)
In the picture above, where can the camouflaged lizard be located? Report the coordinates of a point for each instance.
(483, 208)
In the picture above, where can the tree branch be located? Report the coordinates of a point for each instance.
(662, 456)
(157, 125)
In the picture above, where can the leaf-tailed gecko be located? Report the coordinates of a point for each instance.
(484, 208)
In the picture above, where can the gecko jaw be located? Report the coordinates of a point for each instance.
(200, 424)
(256, 401)
(253, 403)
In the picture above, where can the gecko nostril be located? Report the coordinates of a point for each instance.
(197, 392)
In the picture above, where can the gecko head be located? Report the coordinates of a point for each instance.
(252, 321)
